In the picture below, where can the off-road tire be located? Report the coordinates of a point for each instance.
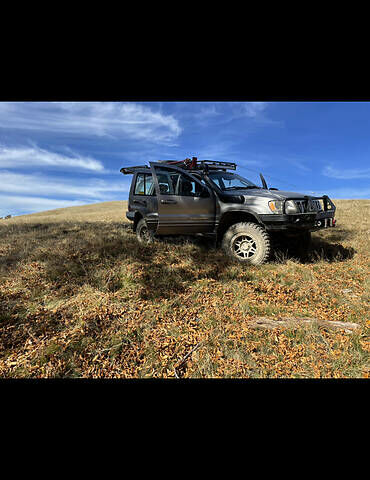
(143, 234)
(247, 243)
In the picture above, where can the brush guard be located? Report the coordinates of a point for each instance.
(308, 207)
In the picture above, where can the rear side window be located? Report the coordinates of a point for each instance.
(144, 184)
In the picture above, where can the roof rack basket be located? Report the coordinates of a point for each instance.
(195, 164)
(188, 164)
(212, 164)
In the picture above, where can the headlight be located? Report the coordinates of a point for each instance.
(291, 207)
(276, 206)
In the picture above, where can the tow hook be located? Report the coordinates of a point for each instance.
(328, 222)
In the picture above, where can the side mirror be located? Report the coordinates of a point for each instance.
(163, 188)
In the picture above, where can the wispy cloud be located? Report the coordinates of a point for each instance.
(221, 151)
(205, 114)
(19, 205)
(29, 156)
(297, 163)
(346, 174)
(41, 185)
(114, 119)
(248, 109)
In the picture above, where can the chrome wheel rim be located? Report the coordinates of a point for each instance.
(244, 246)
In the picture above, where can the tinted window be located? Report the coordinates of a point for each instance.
(166, 183)
(174, 183)
(188, 187)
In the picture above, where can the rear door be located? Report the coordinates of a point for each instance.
(144, 199)
(185, 204)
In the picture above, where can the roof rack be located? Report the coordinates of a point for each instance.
(212, 164)
(194, 164)
(131, 170)
(188, 164)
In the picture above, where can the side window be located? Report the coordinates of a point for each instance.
(144, 184)
(166, 183)
(140, 185)
(188, 187)
(149, 185)
(175, 183)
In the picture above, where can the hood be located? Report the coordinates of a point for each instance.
(261, 192)
(282, 194)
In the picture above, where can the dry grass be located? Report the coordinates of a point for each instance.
(97, 212)
(80, 298)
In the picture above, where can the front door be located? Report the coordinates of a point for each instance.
(185, 204)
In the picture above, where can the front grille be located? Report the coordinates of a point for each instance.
(317, 207)
(304, 206)
(300, 205)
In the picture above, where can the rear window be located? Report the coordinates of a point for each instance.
(144, 184)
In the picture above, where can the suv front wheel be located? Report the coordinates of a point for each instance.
(247, 242)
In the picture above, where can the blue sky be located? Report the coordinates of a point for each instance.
(54, 154)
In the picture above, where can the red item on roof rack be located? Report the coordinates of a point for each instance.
(188, 163)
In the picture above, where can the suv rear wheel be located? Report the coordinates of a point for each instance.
(247, 242)
(143, 234)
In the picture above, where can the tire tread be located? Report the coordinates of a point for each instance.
(238, 227)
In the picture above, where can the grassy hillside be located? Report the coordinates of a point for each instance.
(97, 212)
(80, 298)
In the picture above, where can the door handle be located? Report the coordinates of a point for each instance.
(168, 201)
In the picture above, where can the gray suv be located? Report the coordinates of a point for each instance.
(205, 197)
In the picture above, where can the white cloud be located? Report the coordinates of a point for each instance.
(17, 157)
(252, 109)
(19, 205)
(114, 119)
(346, 174)
(26, 184)
(206, 112)
(225, 112)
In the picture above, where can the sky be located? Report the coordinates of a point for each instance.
(61, 154)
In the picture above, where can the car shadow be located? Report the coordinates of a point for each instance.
(321, 249)
(56, 260)
(73, 254)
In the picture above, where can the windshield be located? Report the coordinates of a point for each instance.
(230, 181)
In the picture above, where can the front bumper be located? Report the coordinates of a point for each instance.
(130, 216)
(299, 221)
(306, 220)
